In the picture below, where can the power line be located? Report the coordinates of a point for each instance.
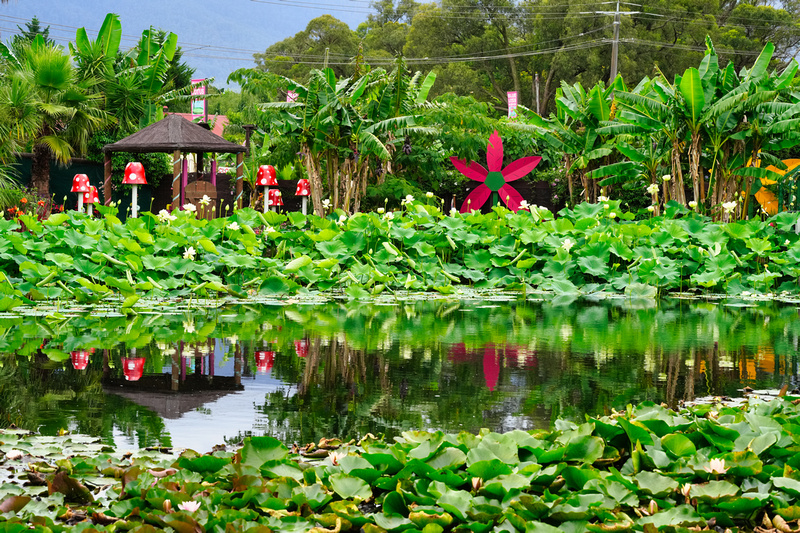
(688, 47)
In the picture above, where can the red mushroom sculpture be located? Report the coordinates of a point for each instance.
(80, 359)
(134, 176)
(303, 190)
(266, 178)
(80, 185)
(90, 198)
(264, 361)
(275, 198)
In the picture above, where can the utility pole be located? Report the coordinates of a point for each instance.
(615, 39)
(536, 85)
(615, 44)
(327, 50)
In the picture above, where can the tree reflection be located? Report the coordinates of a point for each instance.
(347, 369)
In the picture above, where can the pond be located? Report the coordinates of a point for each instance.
(196, 377)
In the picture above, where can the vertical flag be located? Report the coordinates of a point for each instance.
(199, 105)
(512, 104)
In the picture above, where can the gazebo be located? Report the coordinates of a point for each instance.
(177, 135)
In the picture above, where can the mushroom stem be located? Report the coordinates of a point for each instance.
(80, 202)
(134, 202)
(266, 198)
(89, 209)
(304, 203)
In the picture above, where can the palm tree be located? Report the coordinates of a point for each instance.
(49, 108)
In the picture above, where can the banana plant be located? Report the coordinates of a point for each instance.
(344, 126)
(133, 84)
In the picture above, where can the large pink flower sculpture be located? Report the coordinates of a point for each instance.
(494, 181)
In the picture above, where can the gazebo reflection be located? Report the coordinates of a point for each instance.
(189, 384)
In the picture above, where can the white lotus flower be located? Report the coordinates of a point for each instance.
(523, 204)
(190, 253)
(652, 188)
(666, 177)
(336, 456)
(326, 203)
(567, 244)
(342, 219)
(14, 454)
(205, 200)
(233, 226)
(409, 198)
(729, 207)
(612, 215)
(693, 204)
(389, 216)
(716, 466)
(429, 194)
(190, 507)
(606, 206)
(381, 210)
(166, 216)
(651, 208)
(602, 198)
(189, 207)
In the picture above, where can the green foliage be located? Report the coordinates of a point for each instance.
(579, 477)
(591, 248)
(390, 193)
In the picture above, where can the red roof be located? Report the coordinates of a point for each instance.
(217, 122)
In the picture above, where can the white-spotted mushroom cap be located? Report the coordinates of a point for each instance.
(80, 183)
(134, 174)
(303, 188)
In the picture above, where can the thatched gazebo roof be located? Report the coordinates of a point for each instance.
(177, 135)
(171, 133)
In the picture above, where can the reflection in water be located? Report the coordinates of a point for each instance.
(301, 373)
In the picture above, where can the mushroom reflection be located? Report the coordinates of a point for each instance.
(79, 359)
(301, 347)
(133, 368)
(264, 361)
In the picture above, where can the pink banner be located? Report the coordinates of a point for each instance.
(199, 105)
(512, 104)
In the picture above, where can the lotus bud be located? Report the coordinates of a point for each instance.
(476, 484)
(652, 508)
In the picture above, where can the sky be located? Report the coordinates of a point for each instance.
(217, 36)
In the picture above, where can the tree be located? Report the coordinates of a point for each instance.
(28, 34)
(52, 110)
(324, 37)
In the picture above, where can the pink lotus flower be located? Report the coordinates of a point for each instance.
(190, 506)
(496, 178)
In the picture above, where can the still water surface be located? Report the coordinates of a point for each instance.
(198, 378)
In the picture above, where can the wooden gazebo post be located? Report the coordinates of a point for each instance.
(176, 176)
(107, 178)
(239, 180)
